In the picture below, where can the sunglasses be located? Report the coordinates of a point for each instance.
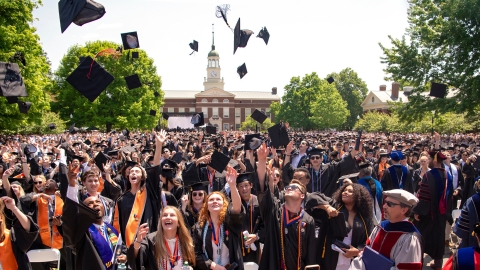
(197, 194)
(303, 143)
(277, 175)
(293, 187)
(36, 183)
(391, 204)
(315, 157)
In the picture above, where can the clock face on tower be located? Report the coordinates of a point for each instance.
(214, 74)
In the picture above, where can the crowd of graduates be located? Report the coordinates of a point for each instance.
(189, 199)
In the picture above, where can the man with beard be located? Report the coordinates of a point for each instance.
(46, 209)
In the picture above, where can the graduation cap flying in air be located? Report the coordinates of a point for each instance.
(221, 12)
(194, 46)
(263, 34)
(130, 40)
(197, 119)
(79, 12)
(11, 82)
(240, 37)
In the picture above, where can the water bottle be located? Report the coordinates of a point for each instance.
(121, 266)
(185, 266)
(245, 235)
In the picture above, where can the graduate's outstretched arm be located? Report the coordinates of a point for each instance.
(159, 140)
(22, 218)
(262, 153)
(232, 182)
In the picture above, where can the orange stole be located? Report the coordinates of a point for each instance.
(53, 240)
(135, 217)
(101, 184)
(7, 258)
(381, 169)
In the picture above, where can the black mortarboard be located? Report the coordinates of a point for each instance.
(168, 165)
(156, 94)
(364, 165)
(211, 130)
(252, 141)
(165, 116)
(177, 157)
(76, 144)
(29, 149)
(24, 106)
(330, 80)
(146, 150)
(153, 112)
(316, 151)
(17, 178)
(79, 12)
(242, 177)
(242, 70)
(90, 79)
(219, 161)
(130, 41)
(12, 100)
(52, 126)
(72, 129)
(101, 159)
(259, 116)
(240, 37)
(133, 81)
(278, 135)
(194, 46)
(113, 153)
(199, 186)
(11, 82)
(263, 34)
(239, 147)
(134, 54)
(197, 119)
(130, 163)
(438, 90)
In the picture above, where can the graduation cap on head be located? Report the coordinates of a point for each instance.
(364, 165)
(242, 70)
(438, 90)
(211, 130)
(194, 46)
(133, 81)
(259, 116)
(52, 126)
(153, 112)
(112, 153)
(316, 151)
(219, 161)
(240, 37)
(197, 119)
(101, 159)
(168, 165)
(12, 100)
(330, 80)
(130, 40)
(263, 34)
(11, 82)
(252, 141)
(90, 79)
(242, 177)
(165, 116)
(79, 12)
(130, 163)
(278, 135)
(24, 107)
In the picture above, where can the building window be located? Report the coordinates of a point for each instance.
(205, 112)
(373, 99)
(226, 100)
(267, 112)
(215, 100)
(181, 110)
(248, 112)
(204, 100)
(237, 126)
(171, 110)
(191, 109)
(214, 112)
(226, 113)
(237, 112)
(226, 126)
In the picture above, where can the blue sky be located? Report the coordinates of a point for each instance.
(305, 36)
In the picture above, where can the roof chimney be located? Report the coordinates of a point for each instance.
(395, 89)
(407, 90)
(274, 90)
(383, 87)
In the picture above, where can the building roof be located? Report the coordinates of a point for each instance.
(188, 94)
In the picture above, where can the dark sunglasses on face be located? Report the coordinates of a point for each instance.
(292, 187)
(37, 183)
(197, 194)
(277, 175)
(315, 157)
(391, 204)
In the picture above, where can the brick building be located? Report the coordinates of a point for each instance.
(223, 109)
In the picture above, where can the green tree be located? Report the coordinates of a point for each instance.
(439, 45)
(17, 35)
(251, 124)
(116, 107)
(353, 90)
(311, 103)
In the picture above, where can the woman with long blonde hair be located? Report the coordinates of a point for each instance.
(166, 249)
(217, 235)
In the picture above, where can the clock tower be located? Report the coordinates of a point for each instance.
(213, 78)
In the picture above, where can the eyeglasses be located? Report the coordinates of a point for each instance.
(197, 194)
(391, 204)
(37, 183)
(315, 157)
(293, 187)
(277, 175)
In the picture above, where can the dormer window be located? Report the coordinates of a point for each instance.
(373, 99)
(204, 100)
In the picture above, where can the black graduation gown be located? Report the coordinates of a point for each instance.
(270, 211)
(110, 191)
(77, 218)
(153, 205)
(326, 184)
(469, 183)
(257, 225)
(432, 223)
(9, 216)
(146, 254)
(219, 179)
(190, 219)
(387, 180)
(359, 238)
(21, 242)
(232, 224)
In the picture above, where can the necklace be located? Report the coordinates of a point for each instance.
(286, 220)
(163, 263)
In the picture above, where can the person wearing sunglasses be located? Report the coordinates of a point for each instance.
(192, 203)
(395, 238)
(320, 173)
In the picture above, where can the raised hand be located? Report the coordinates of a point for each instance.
(9, 202)
(231, 176)
(161, 136)
(262, 152)
(142, 232)
(107, 167)
(289, 148)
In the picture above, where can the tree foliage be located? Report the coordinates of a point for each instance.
(440, 45)
(116, 107)
(251, 124)
(446, 123)
(353, 90)
(17, 35)
(311, 103)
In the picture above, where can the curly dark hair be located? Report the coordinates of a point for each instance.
(363, 201)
